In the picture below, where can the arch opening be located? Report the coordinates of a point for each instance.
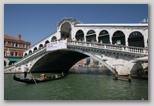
(40, 46)
(118, 38)
(54, 38)
(56, 61)
(35, 49)
(30, 51)
(136, 39)
(25, 54)
(104, 37)
(46, 42)
(91, 36)
(79, 36)
(66, 31)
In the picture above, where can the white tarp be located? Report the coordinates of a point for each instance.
(62, 44)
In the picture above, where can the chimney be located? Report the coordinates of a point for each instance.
(19, 37)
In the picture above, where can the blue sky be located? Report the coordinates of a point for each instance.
(36, 21)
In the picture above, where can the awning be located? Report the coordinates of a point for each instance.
(14, 59)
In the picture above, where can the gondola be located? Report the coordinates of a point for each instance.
(36, 80)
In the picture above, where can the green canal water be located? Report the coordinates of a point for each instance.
(76, 87)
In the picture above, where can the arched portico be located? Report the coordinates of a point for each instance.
(25, 54)
(118, 38)
(54, 38)
(35, 49)
(79, 36)
(66, 31)
(30, 52)
(104, 37)
(46, 42)
(40, 46)
(91, 36)
(136, 39)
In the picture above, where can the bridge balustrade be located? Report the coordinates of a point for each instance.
(31, 56)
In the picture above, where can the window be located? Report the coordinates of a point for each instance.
(16, 44)
(5, 43)
(12, 53)
(16, 53)
(26, 45)
(23, 45)
(13, 44)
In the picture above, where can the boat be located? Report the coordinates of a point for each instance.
(37, 80)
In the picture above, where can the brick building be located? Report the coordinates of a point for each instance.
(14, 48)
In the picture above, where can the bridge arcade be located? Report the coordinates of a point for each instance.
(120, 34)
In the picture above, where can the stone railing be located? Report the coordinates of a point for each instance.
(129, 49)
(31, 56)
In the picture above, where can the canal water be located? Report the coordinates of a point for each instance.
(77, 86)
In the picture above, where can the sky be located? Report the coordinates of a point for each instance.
(36, 21)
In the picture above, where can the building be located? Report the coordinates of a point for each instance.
(14, 48)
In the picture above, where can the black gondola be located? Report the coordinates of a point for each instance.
(37, 80)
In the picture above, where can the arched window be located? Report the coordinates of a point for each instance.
(104, 37)
(118, 38)
(35, 49)
(40, 46)
(79, 35)
(54, 38)
(136, 39)
(25, 54)
(46, 42)
(91, 36)
(30, 51)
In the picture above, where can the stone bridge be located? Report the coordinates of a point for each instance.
(116, 58)
(114, 45)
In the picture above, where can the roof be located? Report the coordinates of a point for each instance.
(120, 24)
(8, 37)
(73, 20)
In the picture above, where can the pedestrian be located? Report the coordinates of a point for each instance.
(26, 68)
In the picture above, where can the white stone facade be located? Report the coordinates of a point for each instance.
(73, 25)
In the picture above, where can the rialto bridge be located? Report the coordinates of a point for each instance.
(114, 45)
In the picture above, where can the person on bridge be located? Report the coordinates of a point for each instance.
(26, 68)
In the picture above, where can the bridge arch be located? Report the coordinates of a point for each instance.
(66, 31)
(79, 35)
(136, 39)
(55, 61)
(91, 36)
(118, 38)
(104, 37)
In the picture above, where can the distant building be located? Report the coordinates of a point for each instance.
(14, 48)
